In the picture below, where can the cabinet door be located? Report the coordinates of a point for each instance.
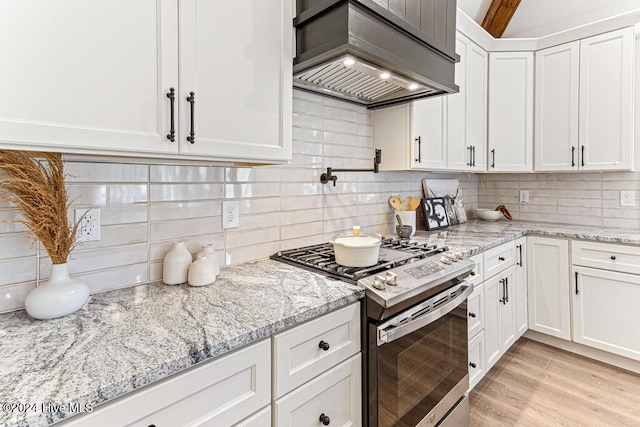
(606, 100)
(548, 286)
(510, 112)
(428, 123)
(476, 360)
(458, 152)
(477, 80)
(520, 287)
(556, 128)
(605, 306)
(507, 326)
(475, 310)
(493, 294)
(237, 59)
(336, 394)
(83, 75)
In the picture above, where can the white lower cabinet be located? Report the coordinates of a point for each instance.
(477, 360)
(221, 392)
(332, 398)
(475, 311)
(548, 278)
(520, 288)
(499, 311)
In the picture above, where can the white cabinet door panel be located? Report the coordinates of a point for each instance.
(241, 76)
(492, 296)
(477, 99)
(520, 287)
(429, 130)
(458, 154)
(81, 75)
(475, 310)
(605, 306)
(476, 360)
(556, 105)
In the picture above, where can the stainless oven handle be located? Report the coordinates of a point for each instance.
(387, 336)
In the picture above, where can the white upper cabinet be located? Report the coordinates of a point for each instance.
(80, 75)
(606, 100)
(412, 136)
(93, 77)
(584, 104)
(556, 129)
(236, 58)
(467, 110)
(510, 112)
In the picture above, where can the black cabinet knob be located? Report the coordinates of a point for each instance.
(500, 258)
(613, 257)
(472, 315)
(324, 346)
(473, 365)
(473, 273)
(325, 420)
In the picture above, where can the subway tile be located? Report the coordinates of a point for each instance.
(301, 202)
(105, 172)
(238, 191)
(583, 194)
(310, 107)
(344, 105)
(251, 253)
(629, 224)
(354, 152)
(256, 174)
(262, 220)
(123, 214)
(365, 130)
(308, 96)
(307, 121)
(300, 188)
(259, 205)
(18, 270)
(301, 230)
(621, 185)
(303, 160)
(308, 135)
(236, 239)
(309, 148)
(300, 216)
(100, 259)
(17, 245)
(12, 297)
(300, 174)
(580, 185)
(87, 194)
(158, 250)
(333, 113)
(301, 241)
(340, 126)
(127, 194)
(121, 277)
(173, 173)
(175, 192)
(163, 211)
(10, 221)
(118, 235)
(179, 229)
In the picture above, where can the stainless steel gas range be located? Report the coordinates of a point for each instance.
(414, 330)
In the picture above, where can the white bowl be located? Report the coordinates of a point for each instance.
(488, 214)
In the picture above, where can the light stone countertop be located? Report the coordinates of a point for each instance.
(125, 339)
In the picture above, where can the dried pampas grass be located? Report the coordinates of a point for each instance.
(37, 189)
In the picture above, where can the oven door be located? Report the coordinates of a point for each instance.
(418, 362)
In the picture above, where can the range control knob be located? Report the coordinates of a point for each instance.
(379, 282)
(460, 254)
(453, 256)
(445, 259)
(391, 278)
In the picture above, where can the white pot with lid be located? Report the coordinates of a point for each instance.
(354, 249)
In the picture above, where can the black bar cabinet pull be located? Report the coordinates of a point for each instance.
(493, 158)
(192, 100)
(520, 252)
(502, 300)
(325, 420)
(470, 163)
(582, 155)
(506, 290)
(577, 291)
(573, 155)
(473, 156)
(171, 136)
(472, 315)
(419, 159)
(323, 345)
(473, 365)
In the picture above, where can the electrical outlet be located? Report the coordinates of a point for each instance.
(230, 215)
(89, 228)
(524, 196)
(627, 198)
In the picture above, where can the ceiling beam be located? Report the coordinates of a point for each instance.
(498, 16)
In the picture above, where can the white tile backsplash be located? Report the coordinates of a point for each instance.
(147, 207)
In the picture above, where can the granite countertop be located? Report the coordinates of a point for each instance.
(477, 236)
(125, 339)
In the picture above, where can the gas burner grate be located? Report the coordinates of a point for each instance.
(321, 258)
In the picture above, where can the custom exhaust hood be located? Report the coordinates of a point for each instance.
(375, 52)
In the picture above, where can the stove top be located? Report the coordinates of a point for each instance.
(405, 269)
(393, 253)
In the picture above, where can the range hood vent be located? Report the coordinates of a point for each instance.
(360, 51)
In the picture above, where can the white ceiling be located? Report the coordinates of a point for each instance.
(537, 18)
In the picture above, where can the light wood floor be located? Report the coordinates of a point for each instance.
(537, 385)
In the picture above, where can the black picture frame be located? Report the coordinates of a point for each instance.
(435, 213)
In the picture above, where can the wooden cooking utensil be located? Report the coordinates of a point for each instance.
(415, 203)
(396, 203)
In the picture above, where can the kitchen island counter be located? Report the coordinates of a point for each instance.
(125, 339)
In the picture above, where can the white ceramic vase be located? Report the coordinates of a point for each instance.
(60, 296)
(175, 269)
(210, 252)
(202, 271)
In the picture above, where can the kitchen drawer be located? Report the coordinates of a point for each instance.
(298, 354)
(259, 419)
(625, 259)
(498, 259)
(477, 274)
(475, 310)
(477, 362)
(336, 394)
(218, 393)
